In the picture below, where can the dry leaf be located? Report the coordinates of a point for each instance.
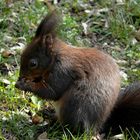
(7, 53)
(42, 136)
(36, 119)
(137, 35)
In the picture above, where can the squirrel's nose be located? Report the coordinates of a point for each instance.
(20, 82)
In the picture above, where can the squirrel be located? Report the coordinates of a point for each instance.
(84, 83)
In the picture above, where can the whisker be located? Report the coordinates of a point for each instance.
(44, 83)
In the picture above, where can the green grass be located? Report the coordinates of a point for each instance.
(18, 23)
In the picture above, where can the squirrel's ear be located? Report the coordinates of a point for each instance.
(49, 24)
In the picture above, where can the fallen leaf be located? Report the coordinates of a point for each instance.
(36, 119)
(7, 53)
(137, 35)
(42, 136)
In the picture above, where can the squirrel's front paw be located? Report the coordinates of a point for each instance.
(34, 86)
(23, 85)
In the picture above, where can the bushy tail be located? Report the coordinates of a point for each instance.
(126, 113)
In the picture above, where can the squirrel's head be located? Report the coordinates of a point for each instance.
(37, 59)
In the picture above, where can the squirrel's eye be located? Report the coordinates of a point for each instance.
(33, 64)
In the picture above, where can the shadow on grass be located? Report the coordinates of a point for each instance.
(19, 127)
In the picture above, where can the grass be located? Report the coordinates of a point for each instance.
(115, 27)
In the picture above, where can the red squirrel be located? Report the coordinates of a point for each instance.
(84, 83)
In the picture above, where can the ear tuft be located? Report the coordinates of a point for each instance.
(49, 24)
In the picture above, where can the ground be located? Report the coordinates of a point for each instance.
(111, 25)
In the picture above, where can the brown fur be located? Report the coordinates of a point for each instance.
(95, 70)
(84, 83)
